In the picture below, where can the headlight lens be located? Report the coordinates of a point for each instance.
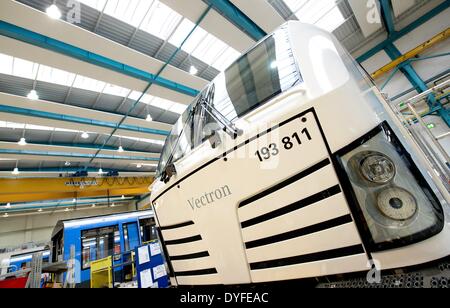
(397, 203)
(393, 203)
(377, 168)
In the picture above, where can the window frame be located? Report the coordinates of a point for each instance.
(115, 227)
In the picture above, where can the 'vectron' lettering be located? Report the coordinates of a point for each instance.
(209, 198)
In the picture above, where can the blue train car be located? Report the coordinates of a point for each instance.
(22, 261)
(98, 237)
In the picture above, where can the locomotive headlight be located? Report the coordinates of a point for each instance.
(392, 201)
(377, 168)
(397, 203)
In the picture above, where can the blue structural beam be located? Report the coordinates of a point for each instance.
(76, 155)
(36, 39)
(238, 18)
(386, 14)
(79, 120)
(398, 34)
(83, 146)
(67, 204)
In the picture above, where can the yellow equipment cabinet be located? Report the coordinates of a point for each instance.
(101, 273)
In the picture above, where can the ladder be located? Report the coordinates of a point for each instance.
(430, 144)
(34, 277)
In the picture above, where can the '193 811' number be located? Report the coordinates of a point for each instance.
(288, 144)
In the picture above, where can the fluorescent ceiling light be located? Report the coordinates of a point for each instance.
(8, 205)
(16, 171)
(22, 142)
(149, 118)
(120, 149)
(53, 12)
(85, 135)
(33, 95)
(193, 70)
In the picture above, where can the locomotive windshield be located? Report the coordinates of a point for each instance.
(256, 77)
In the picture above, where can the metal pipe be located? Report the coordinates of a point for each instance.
(419, 96)
(443, 136)
(430, 135)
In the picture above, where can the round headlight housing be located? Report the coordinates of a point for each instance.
(377, 168)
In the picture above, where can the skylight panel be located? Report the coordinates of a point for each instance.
(161, 20)
(178, 108)
(332, 20)
(129, 11)
(134, 95)
(204, 46)
(53, 75)
(296, 5)
(226, 59)
(323, 13)
(209, 49)
(161, 103)
(96, 4)
(152, 141)
(116, 90)
(194, 40)
(6, 64)
(24, 68)
(182, 32)
(89, 84)
(13, 125)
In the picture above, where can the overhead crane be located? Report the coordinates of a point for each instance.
(28, 190)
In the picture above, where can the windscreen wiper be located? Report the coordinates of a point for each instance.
(206, 103)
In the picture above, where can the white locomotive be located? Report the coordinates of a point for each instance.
(291, 165)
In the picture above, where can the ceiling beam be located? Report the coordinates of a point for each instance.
(48, 43)
(86, 119)
(121, 158)
(66, 37)
(238, 18)
(398, 34)
(75, 150)
(265, 16)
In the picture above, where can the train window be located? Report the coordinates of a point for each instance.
(265, 71)
(98, 244)
(148, 230)
(131, 236)
(58, 247)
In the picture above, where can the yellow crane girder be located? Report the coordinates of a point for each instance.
(28, 190)
(412, 53)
